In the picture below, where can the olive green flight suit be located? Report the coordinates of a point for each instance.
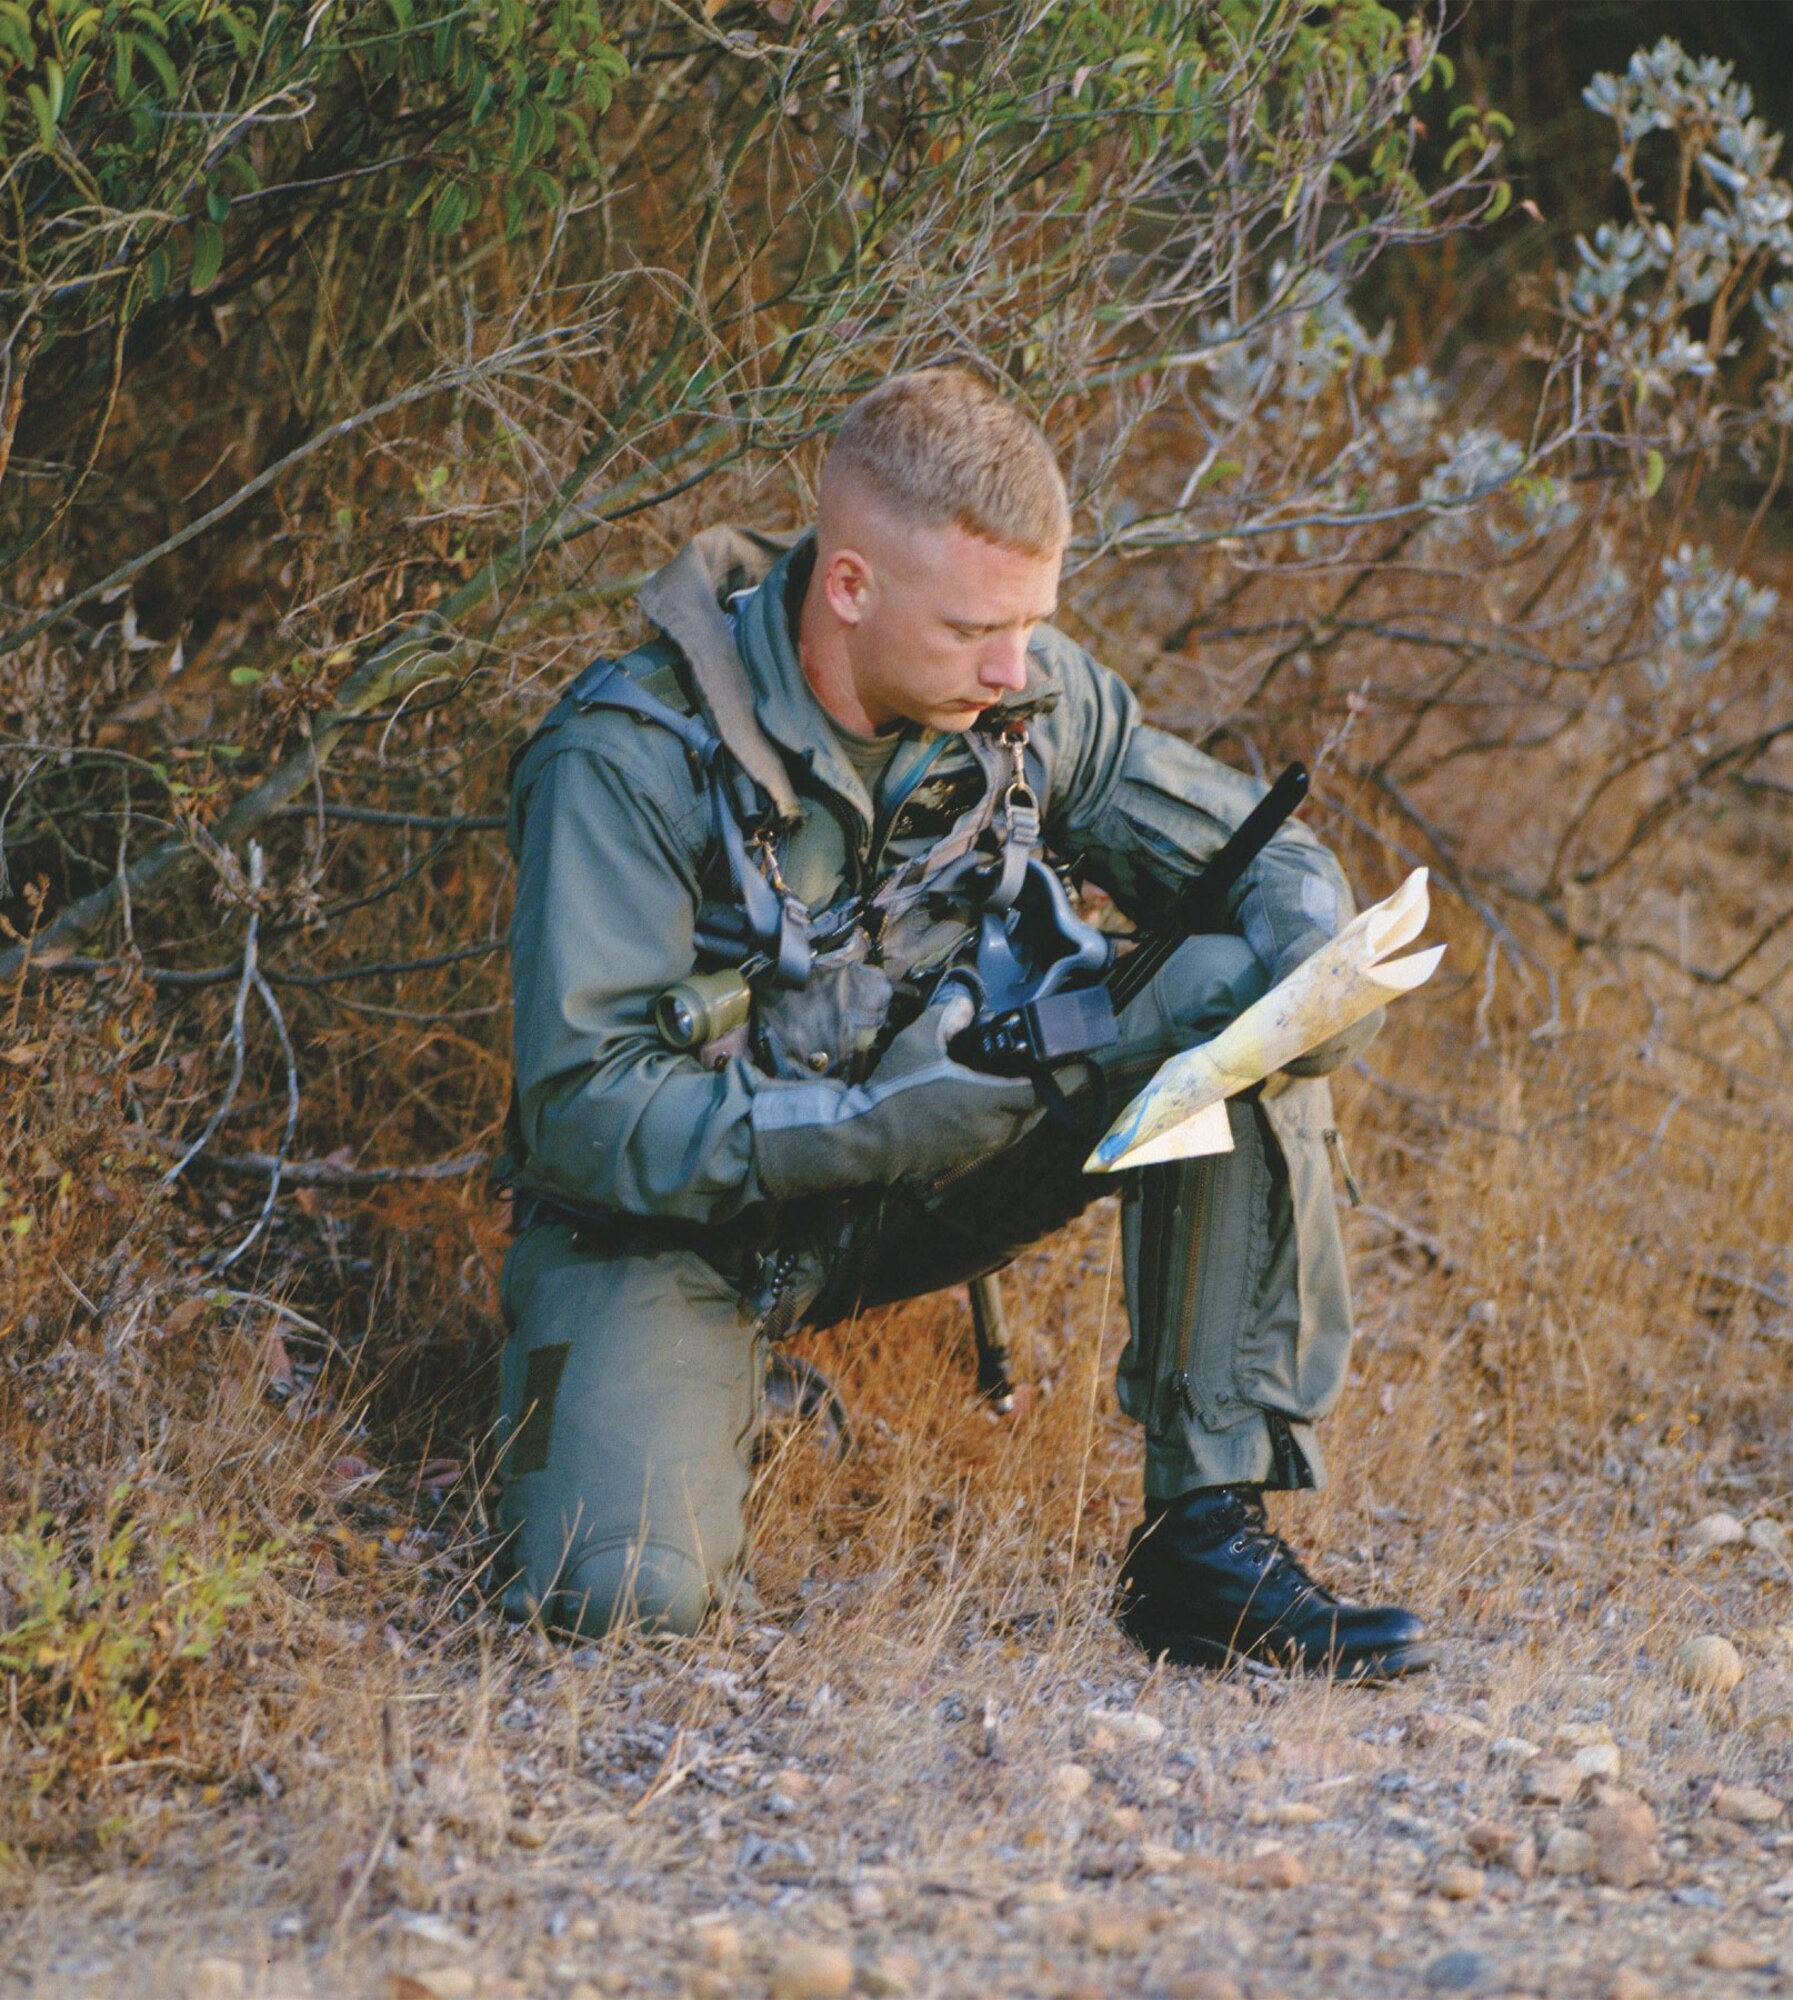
(651, 1263)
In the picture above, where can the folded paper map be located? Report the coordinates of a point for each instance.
(1181, 1113)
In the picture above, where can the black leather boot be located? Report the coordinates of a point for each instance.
(1205, 1582)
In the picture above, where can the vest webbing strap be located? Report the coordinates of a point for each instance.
(778, 925)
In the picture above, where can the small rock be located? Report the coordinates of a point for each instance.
(446, 1982)
(1295, 1812)
(1445, 1725)
(1746, 1804)
(218, 1979)
(1771, 1538)
(1623, 1860)
(1203, 1985)
(1568, 1851)
(1708, 1664)
(1549, 1781)
(1734, 1954)
(1598, 1760)
(1513, 1750)
(1457, 1972)
(1123, 1728)
(892, 1975)
(1625, 1982)
(1161, 1790)
(1628, 1804)
(1279, 1869)
(1043, 1895)
(1457, 1882)
(1715, 1531)
(1522, 1858)
(1119, 1932)
(1158, 1857)
(717, 1942)
(804, 1971)
(1623, 1830)
(1069, 1782)
(1488, 1839)
(708, 1982)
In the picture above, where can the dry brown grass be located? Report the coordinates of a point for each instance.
(1575, 1340)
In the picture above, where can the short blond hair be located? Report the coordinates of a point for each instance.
(941, 446)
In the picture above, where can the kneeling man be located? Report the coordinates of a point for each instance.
(839, 760)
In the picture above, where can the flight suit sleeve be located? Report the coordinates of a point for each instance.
(1146, 810)
(605, 917)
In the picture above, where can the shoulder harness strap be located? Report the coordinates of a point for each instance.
(776, 924)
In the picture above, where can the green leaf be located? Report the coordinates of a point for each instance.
(208, 257)
(157, 57)
(40, 110)
(156, 272)
(1654, 468)
(217, 204)
(1502, 201)
(450, 209)
(245, 677)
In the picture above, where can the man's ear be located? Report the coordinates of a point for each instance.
(846, 582)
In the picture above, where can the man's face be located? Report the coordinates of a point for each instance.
(935, 621)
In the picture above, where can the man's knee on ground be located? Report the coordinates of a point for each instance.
(611, 1586)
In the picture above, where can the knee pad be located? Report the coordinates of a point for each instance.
(612, 1585)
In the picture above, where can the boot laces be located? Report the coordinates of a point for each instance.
(1253, 1536)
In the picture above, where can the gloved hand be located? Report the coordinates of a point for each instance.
(918, 1117)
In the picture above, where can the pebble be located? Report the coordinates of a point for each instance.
(1457, 1972)
(1295, 1812)
(1715, 1531)
(1513, 1750)
(1623, 1830)
(708, 1983)
(1568, 1851)
(1549, 1781)
(804, 1971)
(1746, 1804)
(1123, 1728)
(1708, 1664)
(1771, 1538)
(1279, 1869)
(718, 1943)
(1457, 1882)
(1158, 1857)
(1627, 1983)
(1206, 1984)
(443, 1982)
(1488, 1839)
(218, 1979)
(1120, 1932)
(1733, 1954)
(865, 1900)
(892, 1975)
(1069, 1782)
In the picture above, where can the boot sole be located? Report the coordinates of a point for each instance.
(1392, 1663)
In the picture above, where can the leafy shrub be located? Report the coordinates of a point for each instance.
(98, 1643)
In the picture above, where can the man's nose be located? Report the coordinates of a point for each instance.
(1004, 665)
